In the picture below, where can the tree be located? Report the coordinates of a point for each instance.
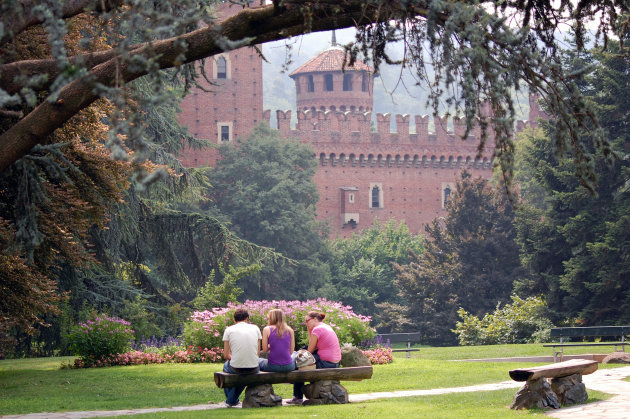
(361, 272)
(476, 56)
(576, 244)
(264, 186)
(470, 261)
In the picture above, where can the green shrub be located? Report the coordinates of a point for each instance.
(523, 321)
(205, 328)
(99, 338)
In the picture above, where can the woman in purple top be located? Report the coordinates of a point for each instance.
(278, 339)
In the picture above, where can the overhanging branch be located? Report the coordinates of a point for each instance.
(257, 25)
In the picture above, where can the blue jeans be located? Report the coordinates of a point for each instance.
(264, 365)
(232, 394)
(298, 388)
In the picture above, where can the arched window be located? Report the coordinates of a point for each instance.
(347, 82)
(311, 84)
(221, 68)
(375, 195)
(328, 82)
(364, 83)
(447, 194)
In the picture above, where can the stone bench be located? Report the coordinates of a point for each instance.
(324, 388)
(564, 388)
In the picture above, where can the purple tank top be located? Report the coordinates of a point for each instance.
(279, 347)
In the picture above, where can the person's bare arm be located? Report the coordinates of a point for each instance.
(265, 339)
(312, 342)
(227, 352)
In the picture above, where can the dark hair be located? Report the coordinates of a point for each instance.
(241, 314)
(316, 315)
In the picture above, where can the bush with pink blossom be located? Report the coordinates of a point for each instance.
(379, 355)
(100, 337)
(205, 328)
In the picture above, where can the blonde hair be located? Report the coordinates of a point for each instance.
(277, 318)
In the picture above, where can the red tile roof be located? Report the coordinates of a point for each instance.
(330, 60)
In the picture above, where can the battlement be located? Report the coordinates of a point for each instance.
(323, 127)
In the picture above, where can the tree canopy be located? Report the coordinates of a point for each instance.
(478, 50)
(264, 186)
(470, 261)
(577, 244)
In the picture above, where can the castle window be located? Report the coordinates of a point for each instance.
(447, 194)
(328, 82)
(364, 83)
(224, 132)
(351, 198)
(375, 201)
(311, 83)
(376, 195)
(221, 68)
(347, 82)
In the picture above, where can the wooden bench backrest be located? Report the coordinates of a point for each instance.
(590, 331)
(400, 337)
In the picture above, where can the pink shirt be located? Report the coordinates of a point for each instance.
(327, 346)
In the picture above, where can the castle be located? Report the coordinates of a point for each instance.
(363, 174)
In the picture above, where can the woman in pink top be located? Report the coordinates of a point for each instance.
(323, 343)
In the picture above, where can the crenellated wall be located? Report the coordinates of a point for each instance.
(412, 172)
(350, 133)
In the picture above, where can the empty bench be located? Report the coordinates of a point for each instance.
(568, 333)
(402, 337)
(324, 387)
(565, 386)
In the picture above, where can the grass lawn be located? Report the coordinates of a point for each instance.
(490, 404)
(39, 385)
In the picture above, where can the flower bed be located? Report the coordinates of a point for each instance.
(205, 328)
(184, 356)
(379, 355)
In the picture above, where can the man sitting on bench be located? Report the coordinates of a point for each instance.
(241, 348)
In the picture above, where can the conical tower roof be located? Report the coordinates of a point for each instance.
(331, 59)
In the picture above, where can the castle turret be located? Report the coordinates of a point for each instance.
(328, 82)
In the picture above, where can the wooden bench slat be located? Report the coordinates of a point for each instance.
(401, 337)
(223, 379)
(590, 331)
(560, 369)
(548, 345)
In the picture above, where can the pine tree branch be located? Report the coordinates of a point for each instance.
(23, 16)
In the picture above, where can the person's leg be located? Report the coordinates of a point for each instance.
(280, 368)
(298, 392)
(320, 363)
(232, 393)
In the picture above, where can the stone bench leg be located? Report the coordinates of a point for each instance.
(541, 394)
(325, 392)
(261, 395)
(570, 390)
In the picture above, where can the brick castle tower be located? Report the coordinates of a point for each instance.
(228, 107)
(363, 173)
